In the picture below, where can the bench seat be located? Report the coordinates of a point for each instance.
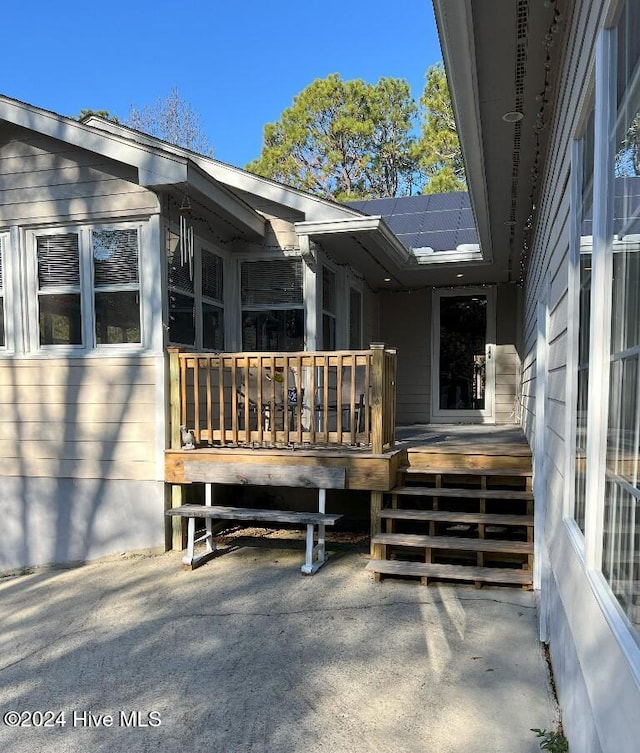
(315, 555)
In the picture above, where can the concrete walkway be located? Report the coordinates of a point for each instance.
(247, 655)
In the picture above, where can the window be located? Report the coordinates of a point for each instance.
(196, 296)
(59, 290)
(182, 303)
(69, 314)
(584, 314)
(116, 286)
(329, 309)
(621, 530)
(272, 305)
(355, 319)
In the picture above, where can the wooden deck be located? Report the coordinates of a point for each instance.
(493, 450)
(441, 493)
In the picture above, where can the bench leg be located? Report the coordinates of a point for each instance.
(191, 534)
(190, 560)
(315, 554)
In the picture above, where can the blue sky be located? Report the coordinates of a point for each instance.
(239, 64)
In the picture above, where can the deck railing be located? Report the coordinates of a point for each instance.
(305, 398)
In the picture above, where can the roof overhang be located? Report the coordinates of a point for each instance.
(157, 168)
(241, 181)
(368, 245)
(498, 61)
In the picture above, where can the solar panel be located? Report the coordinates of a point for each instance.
(439, 221)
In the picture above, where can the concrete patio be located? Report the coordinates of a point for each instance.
(247, 655)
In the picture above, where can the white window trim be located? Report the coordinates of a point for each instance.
(600, 325)
(86, 289)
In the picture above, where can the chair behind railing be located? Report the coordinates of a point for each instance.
(279, 399)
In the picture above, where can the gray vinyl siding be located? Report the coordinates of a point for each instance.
(598, 689)
(405, 323)
(78, 418)
(43, 180)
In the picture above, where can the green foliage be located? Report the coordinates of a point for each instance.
(83, 114)
(438, 151)
(353, 140)
(554, 742)
(344, 140)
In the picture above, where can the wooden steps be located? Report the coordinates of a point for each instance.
(451, 572)
(468, 524)
(410, 470)
(422, 491)
(452, 543)
(465, 518)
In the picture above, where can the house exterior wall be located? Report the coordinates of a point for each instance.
(78, 459)
(595, 658)
(81, 429)
(406, 323)
(43, 180)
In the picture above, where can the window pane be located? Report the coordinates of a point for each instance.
(212, 327)
(179, 272)
(115, 257)
(584, 250)
(281, 330)
(58, 260)
(60, 319)
(355, 319)
(328, 290)
(271, 282)
(328, 332)
(117, 317)
(211, 275)
(182, 327)
(621, 549)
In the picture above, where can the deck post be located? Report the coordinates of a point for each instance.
(377, 397)
(177, 536)
(376, 508)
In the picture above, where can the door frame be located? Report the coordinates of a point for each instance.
(487, 414)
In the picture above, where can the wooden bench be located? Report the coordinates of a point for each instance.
(321, 478)
(315, 555)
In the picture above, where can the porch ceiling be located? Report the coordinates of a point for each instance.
(498, 60)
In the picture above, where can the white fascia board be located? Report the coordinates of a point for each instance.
(155, 166)
(393, 248)
(245, 215)
(454, 19)
(311, 206)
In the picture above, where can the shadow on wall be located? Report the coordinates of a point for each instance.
(79, 438)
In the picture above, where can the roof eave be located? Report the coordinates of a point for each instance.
(394, 250)
(454, 19)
